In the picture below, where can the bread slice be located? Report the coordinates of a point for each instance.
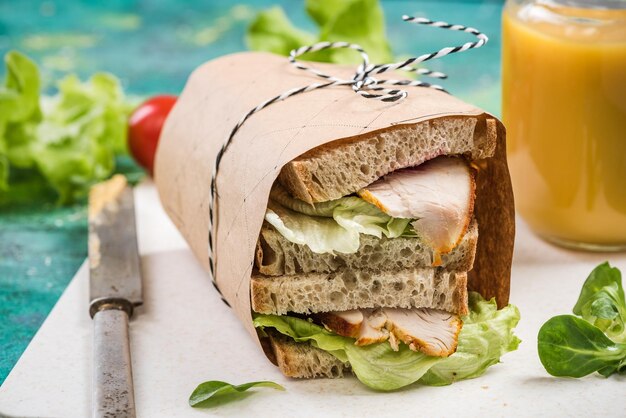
(342, 167)
(347, 289)
(302, 360)
(277, 256)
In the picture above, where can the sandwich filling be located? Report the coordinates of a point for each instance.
(394, 343)
(432, 202)
(487, 335)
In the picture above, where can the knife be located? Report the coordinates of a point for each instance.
(115, 290)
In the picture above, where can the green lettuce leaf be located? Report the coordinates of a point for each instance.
(487, 334)
(272, 31)
(19, 113)
(68, 141)
(84, 128)
(4, 167)
(332, 226)
(19, 96)
(321, 235)
(602, 302)
(357, 21)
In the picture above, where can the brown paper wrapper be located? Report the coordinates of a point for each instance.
(221, 91)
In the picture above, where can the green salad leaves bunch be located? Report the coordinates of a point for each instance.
(357, 21)
(487, 335)
(68, 141)
(595, 339)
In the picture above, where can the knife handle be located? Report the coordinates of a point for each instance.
(113, 377)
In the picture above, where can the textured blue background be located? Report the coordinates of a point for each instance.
(152, 45)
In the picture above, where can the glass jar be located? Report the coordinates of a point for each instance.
(564, 106)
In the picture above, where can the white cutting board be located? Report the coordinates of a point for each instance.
(184, 335)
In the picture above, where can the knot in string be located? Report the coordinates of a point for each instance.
(365, 84)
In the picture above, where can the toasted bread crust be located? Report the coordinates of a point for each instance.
(494, 210)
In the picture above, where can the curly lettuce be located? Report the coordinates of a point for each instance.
(487, 335)
(68, 141)
(357, 21)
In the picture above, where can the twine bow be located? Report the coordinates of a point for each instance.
(362, 83)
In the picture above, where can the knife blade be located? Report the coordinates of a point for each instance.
(115, 290)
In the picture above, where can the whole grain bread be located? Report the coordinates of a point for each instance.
(347, 289)
(302, 360)
(277, 256)
(342, 167)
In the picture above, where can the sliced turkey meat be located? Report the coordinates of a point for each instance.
(439, 194)
(373, 328)
(346, 323)
(431, 331)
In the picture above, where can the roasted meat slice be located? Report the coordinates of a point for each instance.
(373, 328)
(439, 194)
(346, 323)
(431, 331)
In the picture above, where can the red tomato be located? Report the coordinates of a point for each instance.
(144, 128)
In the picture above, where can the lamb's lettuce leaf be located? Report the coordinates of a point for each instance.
(487, 334)
(570, 346)
(332, 226)
(575, 347)
(602, 302)
(215, 392)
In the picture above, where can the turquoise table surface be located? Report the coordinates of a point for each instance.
(152, 45)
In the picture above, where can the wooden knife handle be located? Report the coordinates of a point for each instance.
(113, 394)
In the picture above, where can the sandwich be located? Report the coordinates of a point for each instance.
(349, 235)
(362, 261)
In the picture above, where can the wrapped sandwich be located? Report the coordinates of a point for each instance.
(348, 234)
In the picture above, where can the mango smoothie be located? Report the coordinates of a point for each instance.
(564, 106)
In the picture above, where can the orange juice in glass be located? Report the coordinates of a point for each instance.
(564, 106)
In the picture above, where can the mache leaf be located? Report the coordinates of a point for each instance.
(570, 346)
(215, 392)
(602, 302)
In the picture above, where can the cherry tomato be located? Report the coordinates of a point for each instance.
(144, 128)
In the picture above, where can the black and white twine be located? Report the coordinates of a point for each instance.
(362, 83)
